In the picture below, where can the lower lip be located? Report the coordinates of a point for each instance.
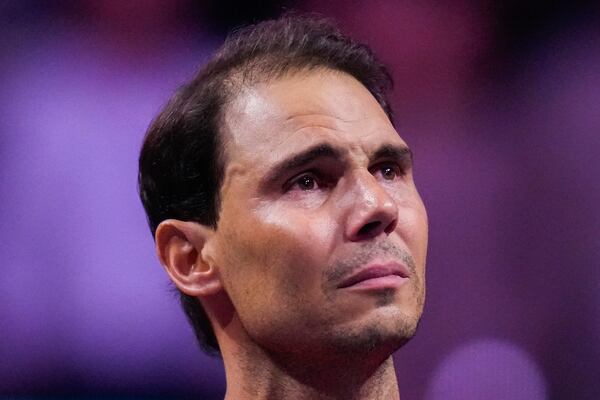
(382, 282)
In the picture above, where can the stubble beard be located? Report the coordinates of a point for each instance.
(372, 341)
(380, 337)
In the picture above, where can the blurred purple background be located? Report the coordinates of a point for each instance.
(500, 102)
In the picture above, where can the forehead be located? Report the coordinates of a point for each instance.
(268, 121)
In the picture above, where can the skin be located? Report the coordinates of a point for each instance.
(288, 236)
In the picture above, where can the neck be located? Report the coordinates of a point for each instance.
(258, 375)
(254, 373)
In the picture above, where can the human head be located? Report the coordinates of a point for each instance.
(183, 161)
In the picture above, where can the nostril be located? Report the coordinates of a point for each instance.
(368, 228)
(391, 227)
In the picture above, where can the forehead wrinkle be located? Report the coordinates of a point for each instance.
(341, 128)
(326, 119)
(291, 118)
(322, 120)
(322, 102)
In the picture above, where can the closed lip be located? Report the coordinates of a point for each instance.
(375, 271)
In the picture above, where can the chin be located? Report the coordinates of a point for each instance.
(379, 338)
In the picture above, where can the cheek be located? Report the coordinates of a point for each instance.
(272, 271)
(413, 228)
(274, 256)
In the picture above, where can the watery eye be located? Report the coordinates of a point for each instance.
(389, 172)
(306, 183)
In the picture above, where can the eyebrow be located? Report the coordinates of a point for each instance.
(303, 159)
(402, 154)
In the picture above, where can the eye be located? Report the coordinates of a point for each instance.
(388, 171)
(304, 182)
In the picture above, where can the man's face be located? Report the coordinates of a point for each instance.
(322, 235)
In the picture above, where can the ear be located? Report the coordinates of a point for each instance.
(184, 249)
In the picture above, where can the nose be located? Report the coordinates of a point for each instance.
(372, 212)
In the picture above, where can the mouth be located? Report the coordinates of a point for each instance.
(377, 276)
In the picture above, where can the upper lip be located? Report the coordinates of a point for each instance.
(375, 271)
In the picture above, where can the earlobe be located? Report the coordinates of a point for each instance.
(183, 250)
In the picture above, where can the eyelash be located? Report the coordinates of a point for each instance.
(321, 182)
(397, 169)
(306, 175)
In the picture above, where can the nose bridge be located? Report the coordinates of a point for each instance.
(372, 210)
